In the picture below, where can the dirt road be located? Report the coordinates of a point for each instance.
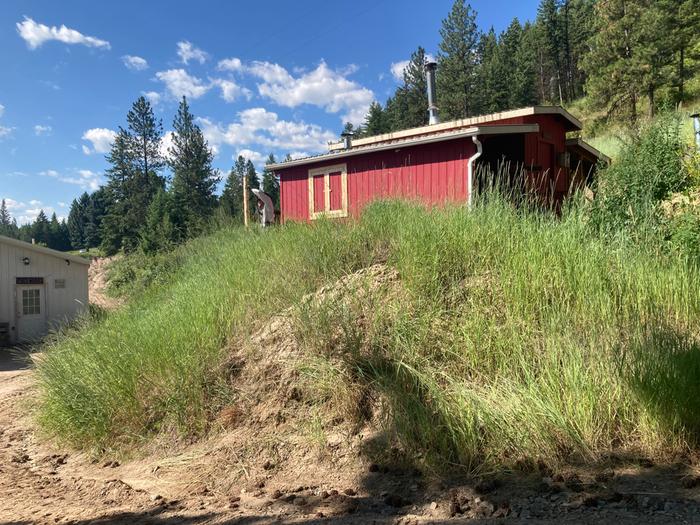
(43, 485)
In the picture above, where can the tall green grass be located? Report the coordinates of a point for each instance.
(512, 335)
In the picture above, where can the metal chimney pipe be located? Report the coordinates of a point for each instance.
(430, 68)
(347, 139)
(696, 125)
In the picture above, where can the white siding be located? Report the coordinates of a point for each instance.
(61, 304)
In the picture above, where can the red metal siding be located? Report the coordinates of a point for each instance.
(431, 173)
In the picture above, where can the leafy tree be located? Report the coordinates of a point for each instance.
(133, 177)
(194, 179)
(270, 182)
(457, 61)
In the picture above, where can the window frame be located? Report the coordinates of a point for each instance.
(326, 171)
(31, 302)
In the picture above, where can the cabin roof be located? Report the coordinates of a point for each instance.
(396, 141)
(41, 249)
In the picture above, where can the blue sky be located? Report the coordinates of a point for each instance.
(261, 77)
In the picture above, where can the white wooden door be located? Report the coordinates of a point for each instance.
(31, 312)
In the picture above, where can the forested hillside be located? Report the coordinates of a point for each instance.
(614, 60)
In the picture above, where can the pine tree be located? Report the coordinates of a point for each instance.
(133, 177)
(8, 228)
(94, 214)
(409, 106)
(376, 121)
(159, 233)
(58, 234)
(253, 182)
(457, 63)
(194, 179)
(270, 182)
(41, 229)
(491, 88)
(524, 89)
(77, 221)
(231, 201)
(548, 18)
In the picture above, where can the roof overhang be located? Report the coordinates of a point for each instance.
(580, 143)
(45, 251)
(412, 141)
(573, 124)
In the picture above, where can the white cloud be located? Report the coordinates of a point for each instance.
(230, 91)
(264, 128)
(2, 110)
(86, 179)
(101, 139)
(62, 204)
(255, 156)
(35, 203)
(135, 63)
(179, 83)
(166, 144)
(5, 131)
(153, 97)
(186, 51)
(397, 69)
(230, 64)
(322, 87)
(40, 130)
(299, 154)
(36, 35)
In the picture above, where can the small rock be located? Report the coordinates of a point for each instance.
(324, 495)
(268, 465)
(234, 499)
(433, 505)
(276, 494)
(156, 497)
(349, 492)
(333, 492)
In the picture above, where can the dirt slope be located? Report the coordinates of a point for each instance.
(97, 283)
(262, 465)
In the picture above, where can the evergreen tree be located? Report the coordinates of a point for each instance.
(270, 182)
(8, 226)
(41, 229)
(376, 121)
(457, 61)
(231, 201)
(252, 182)
(194, 179)
(491, 87)
(133, 177)
(524, 89)
(59, 238)
(409, 105)
(94, 214)
(159, 233)
(77, 221)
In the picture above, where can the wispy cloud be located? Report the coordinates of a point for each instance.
(187, 51)
(86, 179)
(135, 63)
(36, 34)
(40, 130)
(180, 83)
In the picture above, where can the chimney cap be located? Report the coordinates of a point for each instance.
(347, 133)
(430, 65)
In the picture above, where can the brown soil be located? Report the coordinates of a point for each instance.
(97, 283)
(271, 460)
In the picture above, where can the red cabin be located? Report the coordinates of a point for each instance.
(436, 164)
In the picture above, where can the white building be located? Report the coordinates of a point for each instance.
(39, 289)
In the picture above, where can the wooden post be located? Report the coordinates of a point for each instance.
(245, 201)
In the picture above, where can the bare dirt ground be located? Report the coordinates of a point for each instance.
(209, 483)
(97, 283)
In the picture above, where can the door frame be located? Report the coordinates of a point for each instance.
(19, 306)
(326, 171)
